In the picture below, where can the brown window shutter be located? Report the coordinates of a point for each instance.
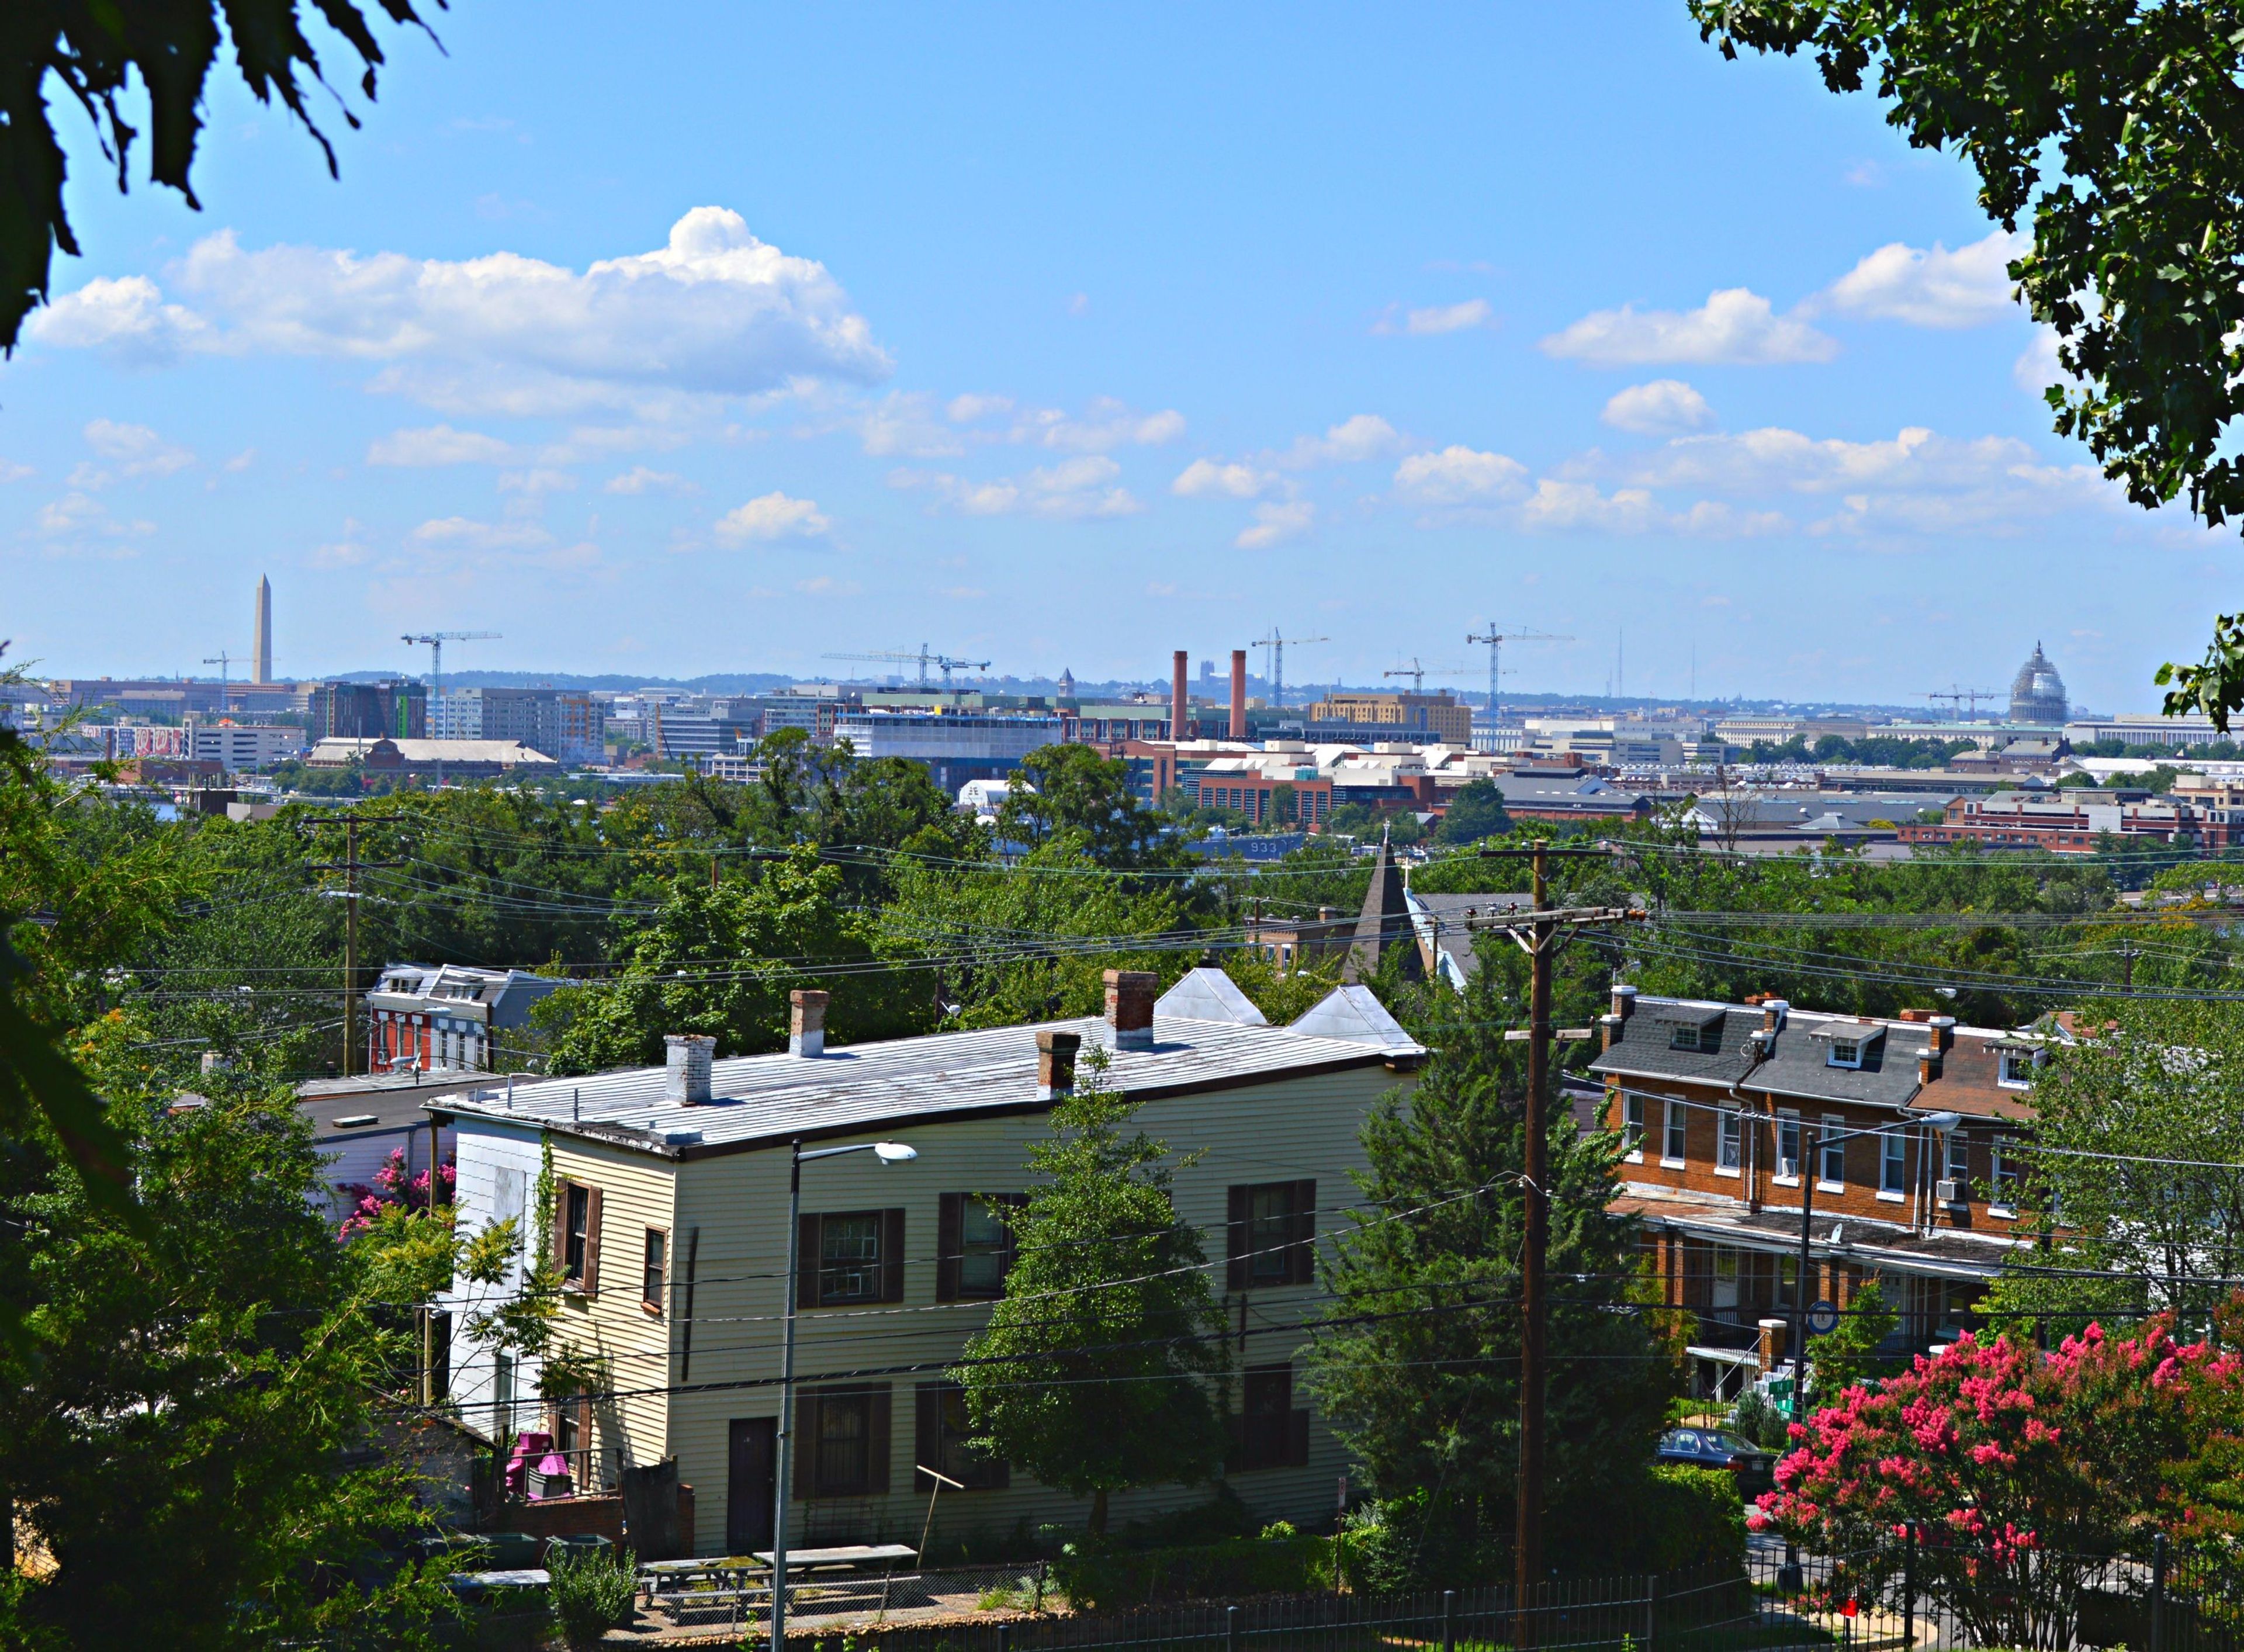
(1235, 1236)
(892, 1254)
(807, 1260)
(927, 1430)
(877, 1439)
(561, 1226)
(591, 1240)
(806, 1444)
(1301, 1262)
(949, 1227)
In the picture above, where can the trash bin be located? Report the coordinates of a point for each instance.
(510, 1551)
(575, 1546)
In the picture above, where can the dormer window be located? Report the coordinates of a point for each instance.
(1846, 1053)
(2018, 1068)
(1851, 1045)
(1695, 1027)
(1683, 1038)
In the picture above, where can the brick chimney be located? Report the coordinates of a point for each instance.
(1238, 694)
(1943, 1033)
(685, 1068)
(1772, 1014)
(806, 1022)
(1611, 1024)
(1130, 1006)
(1624, 1001)
(1180, 707)
(1055, 1064)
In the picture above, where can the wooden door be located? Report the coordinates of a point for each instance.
(751, 1446)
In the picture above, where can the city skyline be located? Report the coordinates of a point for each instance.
(1568, 323)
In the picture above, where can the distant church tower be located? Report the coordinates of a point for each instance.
(261, 654)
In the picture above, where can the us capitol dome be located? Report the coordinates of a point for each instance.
(2037, 693)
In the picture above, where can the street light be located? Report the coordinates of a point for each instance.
(888, 1153)
(1811, 1146)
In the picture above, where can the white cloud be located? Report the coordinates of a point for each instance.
(1663, 407)
(1736, 327)
(1449, 318)
(1105, 425)
(825, 585)
(2037, 368)
(79, 516)
(1274, 524)
(1365, 436)
(966, 409)
(1076, 489)
(470, 535)
(535, 483)
(772, 515)
(125, 316)
(135, 449)
(1459, 475)
(1933, 287)
(438, 444)
(714, 311)
(242, 460)
(11, 471)
(1561, 506)
(906, 424)
(1205, 478)
(640, 479)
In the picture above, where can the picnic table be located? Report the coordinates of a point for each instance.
(819, 1580)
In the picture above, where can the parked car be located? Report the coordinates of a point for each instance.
(1718, 1448)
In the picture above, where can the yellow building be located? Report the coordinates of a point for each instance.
(670, 1222)
(1427, 718)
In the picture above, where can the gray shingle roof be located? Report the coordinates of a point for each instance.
(760, 1100)
(1644, 1046)
(1799, 1059)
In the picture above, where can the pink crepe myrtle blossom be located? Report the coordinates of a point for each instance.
(393, 1186)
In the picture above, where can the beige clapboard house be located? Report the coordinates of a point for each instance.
(670, 1222)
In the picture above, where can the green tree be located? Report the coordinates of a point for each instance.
(1477, 811)
(722, 961)
(1417, 1363)
(1079, 794)
(1097, 1369)
(2111, 125)
(184, 1431)
(1849, 1355)
(96, 49)
(2135, 1170)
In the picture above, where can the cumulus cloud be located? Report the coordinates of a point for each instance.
(1459, 475)
(1365, 436)
(640, 479)
(11, 471)
(1449, 318)
(904, 423)
(2037, 368)
(470, 535)
(714, 311)
(79, 516)
(1933, 286)
(1734, 326)
(1563, 507)
(966, 409)
(772, 515)
(130, 450)
(1274, 523)
(1105, 425)
(1663, 407)
(1079, 489)
(1206, 478)
(438, 444)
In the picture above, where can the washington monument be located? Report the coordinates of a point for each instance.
(261, 652)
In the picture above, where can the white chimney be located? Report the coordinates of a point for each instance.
(686, 1057)
(805, 1026)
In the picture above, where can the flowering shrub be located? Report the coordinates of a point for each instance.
(2018, 1470)
(392, 1187)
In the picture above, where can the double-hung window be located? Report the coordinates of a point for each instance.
(1788, 1147)
(1632, 1119)
(1831, 1153)
(2002, 1176)
(1271, 1233)
(1731, 1140)
(656, 1270)
(850, 1257)
(1893, 1161)
(1959, 1158)
(1678, 1123)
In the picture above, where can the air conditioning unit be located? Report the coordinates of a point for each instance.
(1950, 1192)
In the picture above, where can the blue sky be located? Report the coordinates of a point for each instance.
(1067, 336)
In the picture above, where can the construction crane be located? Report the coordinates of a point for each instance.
(1418, 672)
(221, 659)
(1964, 700)
(1496, 640)
(1274, 659)
(437, 640)
(923, 659)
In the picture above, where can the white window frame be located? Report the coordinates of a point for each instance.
(1958, 1159)
(1831, 1141)
(1893, 1162)
(1632, 1113)
(1730, 1143)
(1675, 1133)
(1784, 1178)
(1684, 1035)
(1852, 1059)
(2002, 1179)
(2007, 1077)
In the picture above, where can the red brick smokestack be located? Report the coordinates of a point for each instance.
(1238, 694)
(1181, 709)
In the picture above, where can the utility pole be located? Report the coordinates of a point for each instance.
(350, 866)
(1540, 932)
